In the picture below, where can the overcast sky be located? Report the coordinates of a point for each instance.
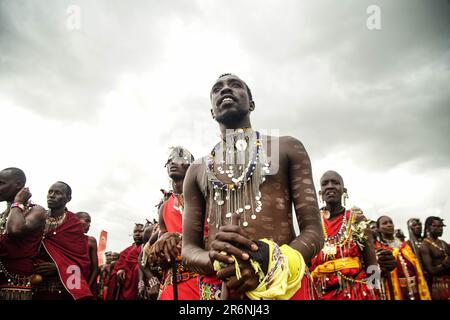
(98, 104)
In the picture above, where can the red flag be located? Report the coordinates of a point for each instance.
(102, 247)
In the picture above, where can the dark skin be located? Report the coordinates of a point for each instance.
(435, 261)
(168, 245)
(57, 198)
(137, 237)
(12, 190)
(144, 271)
(416, 228)
(331, 190)
(85, 220)
(385, 258)
(290, 183)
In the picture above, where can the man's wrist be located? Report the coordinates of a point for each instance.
(18, 205)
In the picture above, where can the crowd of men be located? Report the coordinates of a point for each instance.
(225, 231)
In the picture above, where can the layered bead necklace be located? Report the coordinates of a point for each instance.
(52, 223)
(340, 238)
(242, 159)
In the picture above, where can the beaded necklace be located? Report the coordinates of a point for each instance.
(4, 218)
(340, 238)
(242, 159)
(52, 223)
(179, 202)
(433, 243)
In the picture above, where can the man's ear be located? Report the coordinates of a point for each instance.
(212, 114)
(345, 190)
(252, 105)
(69, 198)
(20, 184)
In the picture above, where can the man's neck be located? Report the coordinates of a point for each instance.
(57, 212)
(433, 237)
(244, 123)
(334, 209)
(178, 186)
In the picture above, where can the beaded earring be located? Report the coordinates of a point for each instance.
(344, 198)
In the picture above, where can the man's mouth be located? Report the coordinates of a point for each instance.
(226, 99)
(331, 193)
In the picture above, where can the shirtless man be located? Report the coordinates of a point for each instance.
(246, 203)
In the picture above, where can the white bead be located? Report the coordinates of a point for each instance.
(245, 223)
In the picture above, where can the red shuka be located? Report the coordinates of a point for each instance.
(332, 289)
(68, 248)
(173, 220)
(18, 253)
(128, 261)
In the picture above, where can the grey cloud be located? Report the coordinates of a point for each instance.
(59, 73)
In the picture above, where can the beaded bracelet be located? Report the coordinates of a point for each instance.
(18, 205)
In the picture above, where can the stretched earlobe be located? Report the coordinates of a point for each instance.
(252, 105)
(212, 114)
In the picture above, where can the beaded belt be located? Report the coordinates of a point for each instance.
(13, 286)
(209, 291)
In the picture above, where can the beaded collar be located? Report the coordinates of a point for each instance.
(242, 159)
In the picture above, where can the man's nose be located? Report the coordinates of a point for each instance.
(225, 89)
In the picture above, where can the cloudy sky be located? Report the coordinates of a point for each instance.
(95, 92)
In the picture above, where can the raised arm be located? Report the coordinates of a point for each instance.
(194, 255)
(19, 224)
(310, 240)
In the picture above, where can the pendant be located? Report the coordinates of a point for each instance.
(326, 214)
(329, 249)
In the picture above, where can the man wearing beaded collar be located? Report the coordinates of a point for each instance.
(21, 227)
(248, 205)
(63, 258)
(436, 258)
(340, 269)
(406, 281)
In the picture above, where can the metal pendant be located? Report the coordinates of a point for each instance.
(329, 249)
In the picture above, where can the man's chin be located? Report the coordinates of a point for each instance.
(229, 117)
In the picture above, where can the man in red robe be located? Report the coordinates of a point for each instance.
(63, 258)
(21, 227)
(340, 270)
(166, 251)
(124, 280)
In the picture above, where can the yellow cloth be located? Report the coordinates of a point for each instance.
(336, 265)
(409, 255)
(280, 283)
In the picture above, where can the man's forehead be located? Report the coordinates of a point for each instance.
(228, 78)
(58, 186)
(331, 175)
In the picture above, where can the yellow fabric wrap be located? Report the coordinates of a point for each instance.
(409, 255)
(284, 275)
(336, 265)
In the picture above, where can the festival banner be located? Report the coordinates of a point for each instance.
(102, 247)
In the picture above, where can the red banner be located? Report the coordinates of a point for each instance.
(102, 247)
